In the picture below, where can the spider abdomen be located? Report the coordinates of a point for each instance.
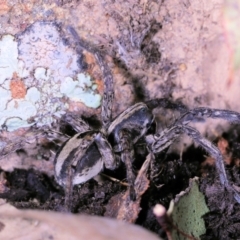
(80, 157)
(83, 157)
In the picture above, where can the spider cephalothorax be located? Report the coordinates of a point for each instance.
(86, 154)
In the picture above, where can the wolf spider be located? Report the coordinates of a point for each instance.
(85, 155)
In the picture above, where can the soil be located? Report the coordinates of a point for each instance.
(155, 49)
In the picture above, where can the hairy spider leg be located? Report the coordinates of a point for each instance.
(165, 103)
(68, 189)
(127, 156)
(215, 153)
(159, 142)
(201, 113)
(108, 94)
(198, 114)
(77, 123)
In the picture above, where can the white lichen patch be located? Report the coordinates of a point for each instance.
(81, 90)
(8, 57)
(17, 114)
(42, 46)
(38, 73)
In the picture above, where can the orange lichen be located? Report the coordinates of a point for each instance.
(17, 87)
(100, 85)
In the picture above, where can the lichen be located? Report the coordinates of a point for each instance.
(81, 90)
(8, 57)
(38, 73)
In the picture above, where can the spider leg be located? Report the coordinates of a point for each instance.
(106, 151)
(8, 146)
(159, 142)
(165, 103)
(201, 113)
(215, 153)
(126, 147)
(108, 94)
(211, 149)
(77, 123)
(68, 190)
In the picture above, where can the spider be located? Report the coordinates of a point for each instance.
(85, 155)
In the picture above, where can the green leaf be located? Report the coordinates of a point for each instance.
(187, 210)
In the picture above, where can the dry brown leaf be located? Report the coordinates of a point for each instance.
(121, 206)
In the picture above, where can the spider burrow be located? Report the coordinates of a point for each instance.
(86, 154)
